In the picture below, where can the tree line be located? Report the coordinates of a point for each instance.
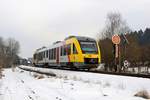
(9, 50)
(134, 46)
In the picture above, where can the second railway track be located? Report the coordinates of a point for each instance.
(36, 69)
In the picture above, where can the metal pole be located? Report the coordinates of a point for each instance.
(119, 54)
(116, 56)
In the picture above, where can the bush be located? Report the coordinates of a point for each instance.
(143, 94)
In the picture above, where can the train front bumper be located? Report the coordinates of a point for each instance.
(88, 63)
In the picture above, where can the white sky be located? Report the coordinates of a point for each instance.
(35, 23)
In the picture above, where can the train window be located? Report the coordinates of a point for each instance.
(88, 47)
(34, 56)
(69, 49)
(74, 49)
(51, 54)
(61, 52)
(55, 53)
(47, 54)
(42, 55)
(38, 56)
(65, 50)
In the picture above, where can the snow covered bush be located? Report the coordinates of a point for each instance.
(40, 77)
(143, 94)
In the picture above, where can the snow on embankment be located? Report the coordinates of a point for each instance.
(39, 70)
(113, 81)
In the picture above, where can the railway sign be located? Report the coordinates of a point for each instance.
(126, 63)
(116, 39)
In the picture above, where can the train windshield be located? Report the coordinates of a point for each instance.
(89, 47)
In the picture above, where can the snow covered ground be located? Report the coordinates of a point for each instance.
(23, 85)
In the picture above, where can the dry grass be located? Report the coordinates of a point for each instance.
(40, 77)
(35, 75)
(21, 71)
(143, 93)
(107, 84)
(1, 70)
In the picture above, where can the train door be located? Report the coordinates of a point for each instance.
(71, 54)
(57, 55)
(74, 53)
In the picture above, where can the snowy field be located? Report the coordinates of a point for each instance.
(67, 85)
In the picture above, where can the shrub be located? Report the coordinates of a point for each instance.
(143, 94)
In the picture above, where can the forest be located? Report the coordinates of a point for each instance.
(136, 49)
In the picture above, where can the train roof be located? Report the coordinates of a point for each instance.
(57, 43)
(54, 45)
(81, 38)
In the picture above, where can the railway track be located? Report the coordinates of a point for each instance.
(116, 73)
(98, 72)
(124, 74)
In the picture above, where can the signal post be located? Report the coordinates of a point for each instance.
(116, 41)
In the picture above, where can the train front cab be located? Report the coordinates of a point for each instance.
(84, 54)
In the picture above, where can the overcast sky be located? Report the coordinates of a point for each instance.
(35, 23)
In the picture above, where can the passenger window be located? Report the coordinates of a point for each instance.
(34, 56)
(40, 56)
(61, 54)
(47, 54)
(52, 53)
(74, 49)
(55, 53)
(43, 54)
(69, 49)
(65, 52)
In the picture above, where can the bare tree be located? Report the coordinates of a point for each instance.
(114, 25)
(12, 50)
(9, 50)
(1, 54)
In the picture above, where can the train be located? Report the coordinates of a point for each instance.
(74, 52)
